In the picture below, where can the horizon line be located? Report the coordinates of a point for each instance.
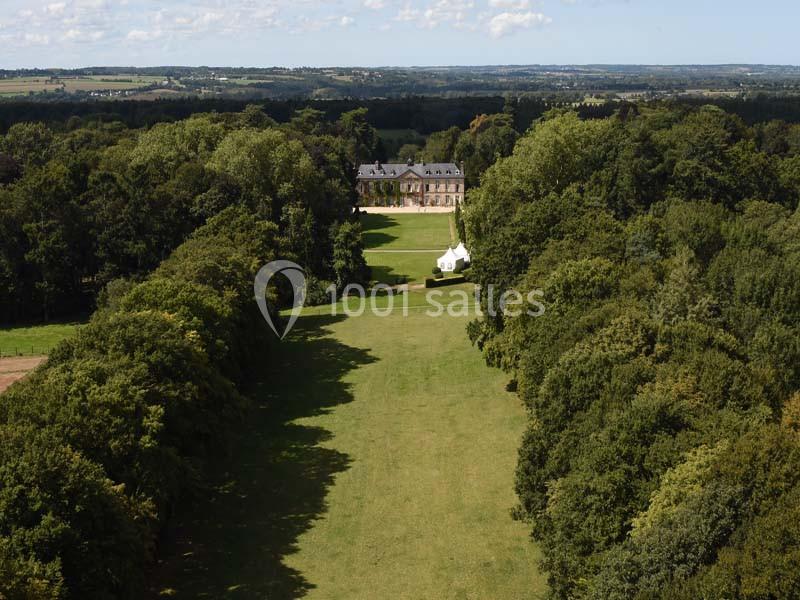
(440, 66)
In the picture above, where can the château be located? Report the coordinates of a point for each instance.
(411, 184)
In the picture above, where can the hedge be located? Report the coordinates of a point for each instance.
(435, 283)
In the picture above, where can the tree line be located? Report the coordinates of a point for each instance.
(98, 445)
(662, 454)
(164, 229)
(82, 207)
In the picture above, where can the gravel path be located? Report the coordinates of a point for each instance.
(15, 368)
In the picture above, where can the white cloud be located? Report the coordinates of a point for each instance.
(510, 4)
(36, 38)
(346, 21)
(78, 35)
(508, 22)
(139, 35)
(374, 4)
(408, 13)
(455, 12)
(56, 8)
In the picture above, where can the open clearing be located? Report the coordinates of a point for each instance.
(15, 368)
(378, 465)
(35, 340)
(404, 247)
(406, 231)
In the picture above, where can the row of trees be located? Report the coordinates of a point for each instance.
(83, 207)
(98, 444)
(662, 455)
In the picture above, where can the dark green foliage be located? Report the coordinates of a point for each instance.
(90, 203)
(662, 456)
(348, 255)
(461, 227)
(441, 281)
(98, 445)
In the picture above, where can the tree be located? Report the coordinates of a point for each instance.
(410, 152)
(460, 226)
(30, 144)
(440, 147)
(348, 255)
(10, 169)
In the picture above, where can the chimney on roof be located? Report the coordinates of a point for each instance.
(463, 170)
(377, 165)
(410, 162)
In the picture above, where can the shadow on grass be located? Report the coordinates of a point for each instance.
(386, 274)
(233, 542)
(373, 222)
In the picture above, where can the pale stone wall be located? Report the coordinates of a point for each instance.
(444, 191)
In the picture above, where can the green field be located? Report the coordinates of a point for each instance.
(379, 464)
(34, 341)
(407, 232)
(16, 86)
(391, 267)
(405, 246)
(394, 242)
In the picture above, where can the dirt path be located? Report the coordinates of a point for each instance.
(15, 368)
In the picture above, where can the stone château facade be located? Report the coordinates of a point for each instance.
(411, 184)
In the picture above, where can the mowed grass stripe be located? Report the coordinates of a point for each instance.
(431, 437)
(379, 465)
(407, 231)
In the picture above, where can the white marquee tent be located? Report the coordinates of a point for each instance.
(462, 252)
(450, 261)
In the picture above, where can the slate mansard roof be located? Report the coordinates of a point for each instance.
(378, 171)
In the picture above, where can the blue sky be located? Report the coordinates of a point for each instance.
(74, 33)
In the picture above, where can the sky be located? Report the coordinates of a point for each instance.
(369, 33)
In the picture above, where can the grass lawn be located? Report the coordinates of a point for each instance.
(33, 341)
(378, 464)
(414, 267)
(407, 232)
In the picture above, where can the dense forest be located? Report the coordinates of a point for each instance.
(82, 207)
(163, 230)
(662, 456)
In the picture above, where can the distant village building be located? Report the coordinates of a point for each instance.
(411, 184)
